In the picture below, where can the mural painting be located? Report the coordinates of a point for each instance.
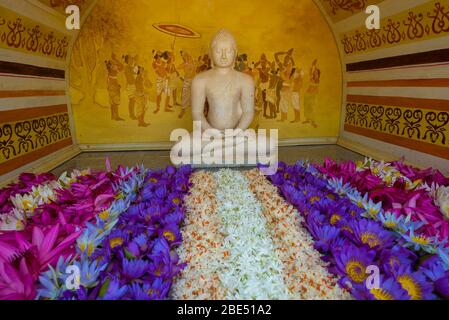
(131, 69)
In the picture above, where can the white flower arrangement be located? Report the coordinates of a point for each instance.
(304, 272)
(202, 245)
(253, 271)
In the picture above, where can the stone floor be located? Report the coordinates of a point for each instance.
(160, 159)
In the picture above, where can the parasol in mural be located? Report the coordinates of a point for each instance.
(177, 30)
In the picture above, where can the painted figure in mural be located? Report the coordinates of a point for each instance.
(273, 85)
(297, 80)
(286, 68)
(263, 67)
(130, 75)
(230, 93)
(311, 94)
(113, 67)
(189, 68)
(173, 77)
(204, 65)
(160, 67)
(141, 96)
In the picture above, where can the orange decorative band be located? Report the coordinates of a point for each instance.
(417, 129)
(425, 22)
(416, 83)
(30, 113)
(31, 93)
(33, 156)
(407, 60)
(435, 150)
(7, 67)
(31, 132)
(416, 103)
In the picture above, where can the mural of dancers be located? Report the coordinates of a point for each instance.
(278, 85)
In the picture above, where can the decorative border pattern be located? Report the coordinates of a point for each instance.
(60, 5)
(418, 129)
(23, 34)
(346, 5)
(428, 21)
(25, 136)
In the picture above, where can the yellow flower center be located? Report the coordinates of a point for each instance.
(347, 228)
(356, 271)
(331, 196)
(90, 249)
(370, 239)
(381, 294)
(420, 240)
(27, 204)
(114, 242)
(169, 235)
(176, 200)
(390, 224)
(410, 286)
(104, 215)
(154, 180)
(335, 218)
(313, 199)
(19, 225)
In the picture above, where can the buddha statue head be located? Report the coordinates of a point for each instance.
(223, 49)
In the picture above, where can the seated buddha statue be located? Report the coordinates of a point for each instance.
(230, 96)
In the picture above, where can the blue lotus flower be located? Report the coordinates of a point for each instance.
(112, 290)
(389, 289)
(89, 272)
(419, 242)
(140, 291)
(392, 258)
(338, 186)
(51, 282)
(134, 269)
(433, 268)
(415, 283)
(443, 253)
(352, 262)
(372, 210)
(325, 236)
(367, 232)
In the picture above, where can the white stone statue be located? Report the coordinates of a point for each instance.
(230, 93)
(230, 96)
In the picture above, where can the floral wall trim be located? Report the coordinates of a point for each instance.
(425, 130)
(425, 22)
(23, 34)
(32, 134)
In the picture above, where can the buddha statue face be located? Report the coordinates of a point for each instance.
(223, 50)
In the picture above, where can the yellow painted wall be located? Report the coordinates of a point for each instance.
(126, 27)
